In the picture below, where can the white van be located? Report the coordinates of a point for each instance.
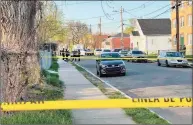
(97, 52)
(171, 58)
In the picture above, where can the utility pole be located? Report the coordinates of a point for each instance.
(177, 25)
(121, 13)
(1, 79)
(90, 29)
(100, 42)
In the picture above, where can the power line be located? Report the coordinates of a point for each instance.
(130, 13)
(142, 5)
(162, 13)
(157, 10)
(169, 9)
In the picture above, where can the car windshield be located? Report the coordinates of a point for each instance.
(137, 52)
(174, 54)
(106, 50)
(117, 50)
(124, 52)
(110, 55)
(98, 49)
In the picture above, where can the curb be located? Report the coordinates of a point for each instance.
(117, 89)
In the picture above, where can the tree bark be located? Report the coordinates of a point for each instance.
(20, 65)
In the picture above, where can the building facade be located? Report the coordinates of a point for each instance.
(185, 25)
(114, 42)
(151, 35)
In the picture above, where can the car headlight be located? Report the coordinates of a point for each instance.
(122, 65)
(185, 60)
(103, 66)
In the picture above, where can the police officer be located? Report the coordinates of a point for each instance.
(79, 54)
(184, 50)
(67, 54)
(63, 54)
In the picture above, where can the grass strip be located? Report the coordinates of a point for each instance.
(139, 115)
(50, 91)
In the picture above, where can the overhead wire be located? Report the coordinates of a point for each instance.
(142, 6)
(168, 10)
(157, 10)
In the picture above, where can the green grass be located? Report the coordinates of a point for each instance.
(139, 115)
(54, 65)
(54, 80)
(144, 116)
(39, 117)
(52, 91)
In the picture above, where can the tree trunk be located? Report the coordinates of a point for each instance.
(20, 65)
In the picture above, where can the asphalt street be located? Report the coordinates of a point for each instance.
(150, 80)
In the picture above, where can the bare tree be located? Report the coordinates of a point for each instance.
(19, 47)
(77, 31)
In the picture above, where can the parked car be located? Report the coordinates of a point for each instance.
(139, 56)
(110, 66)
(116, 50)
(82, 52)
(124, 53)
(97, 52)
(171, 58)
(106, 50)
(89, 52)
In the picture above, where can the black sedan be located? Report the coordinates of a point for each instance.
(110, 63)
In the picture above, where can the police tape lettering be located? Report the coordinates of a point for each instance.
(95, 104)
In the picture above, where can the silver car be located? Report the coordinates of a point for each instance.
(171, 58)
(139, 56)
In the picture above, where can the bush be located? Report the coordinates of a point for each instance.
(54, 66)
(54, 81)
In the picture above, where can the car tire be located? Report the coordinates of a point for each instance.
(158, 63)
(123, 74)
(167, 65)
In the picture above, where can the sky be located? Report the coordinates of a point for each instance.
(89, 12)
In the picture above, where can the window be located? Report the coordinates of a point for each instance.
(190, 2)
(174, 23)
(189, 39)
(189, 20)
(181, 21)
(137, 52)
(173, 54)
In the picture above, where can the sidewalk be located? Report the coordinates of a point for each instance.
(78, 87)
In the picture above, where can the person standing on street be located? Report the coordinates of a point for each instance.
(79, 54)
(184, 50)
(63, 54)
(67, 54)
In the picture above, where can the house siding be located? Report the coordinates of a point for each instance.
(144, 42)
(155, 43)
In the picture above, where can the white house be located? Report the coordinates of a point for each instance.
(151, 35)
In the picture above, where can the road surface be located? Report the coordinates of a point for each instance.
(149, 80)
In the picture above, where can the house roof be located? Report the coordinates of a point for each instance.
(119, 35)
(135, 33)
(155, 26)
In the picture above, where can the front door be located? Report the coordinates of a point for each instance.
(181, 41)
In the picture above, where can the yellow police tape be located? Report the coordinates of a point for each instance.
(124, 58)
(96, 104)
